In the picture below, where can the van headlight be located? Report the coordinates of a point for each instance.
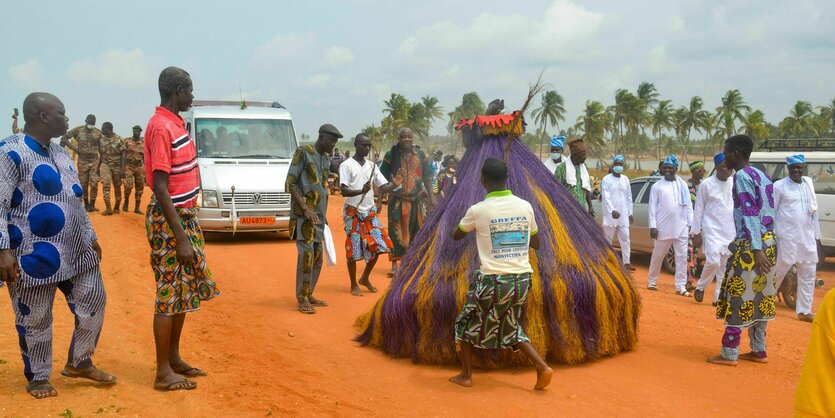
(209, 199)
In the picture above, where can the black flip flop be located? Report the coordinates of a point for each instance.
(192, 372)
(316, 302)
(309, 310)
(184, 384)
(88, 375)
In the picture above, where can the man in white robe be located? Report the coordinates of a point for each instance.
(616, 196)
(713, 226)
(670, 216)
(555, 157)
(798, 229)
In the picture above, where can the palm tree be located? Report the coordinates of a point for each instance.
(694, 119)
(376, 135)
(753, 125)
(679, 122)
(647, 96)
(551, 111)
(593, 124)
(710, 123)
(662, 120)
(828, 112)
(617, 116)
(733, 106)
(798, 122)
(397, 110)
(471, 105)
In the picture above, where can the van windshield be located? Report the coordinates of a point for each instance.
(245, 138)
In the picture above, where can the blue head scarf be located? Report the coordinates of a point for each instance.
(617, 158)
(558, 141)
(671, 160)
(718, 158)
(796, 159)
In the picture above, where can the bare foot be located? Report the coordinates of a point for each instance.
(543, 378)
(355, 290)
(462, 380)
(367, 283)
(40, 389)
(721, 360)
(750, 356)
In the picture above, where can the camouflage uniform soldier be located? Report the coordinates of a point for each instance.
(111, 166)
(87, 148)
(134, 168)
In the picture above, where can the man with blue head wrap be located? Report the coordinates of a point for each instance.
(713, 226)
(555, 157)
(616, 197)
(670, 217)
(799, 230)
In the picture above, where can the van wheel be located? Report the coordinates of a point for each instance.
(669, 263)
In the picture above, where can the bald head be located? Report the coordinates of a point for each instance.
(44, 116)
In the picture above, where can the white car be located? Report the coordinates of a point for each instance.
(244, 155)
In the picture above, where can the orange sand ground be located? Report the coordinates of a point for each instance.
(265, 358)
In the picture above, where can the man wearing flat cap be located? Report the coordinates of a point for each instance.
(134, 168)
(307, 182)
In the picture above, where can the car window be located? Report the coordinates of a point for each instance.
(823, 176)
(636, 189)
(772, 170)
(645, 197)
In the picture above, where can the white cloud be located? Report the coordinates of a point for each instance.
(559, 33)
(337, 56)
(28, 75)
(114, 68)
(284, 50)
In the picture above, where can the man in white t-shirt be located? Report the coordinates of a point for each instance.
(505, 228)
(365, 236)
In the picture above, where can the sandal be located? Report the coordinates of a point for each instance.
(184, 384)
(40, 389)
(317, 302)
(306, 308)
(192, 372)
(652, 287)
(92, 373)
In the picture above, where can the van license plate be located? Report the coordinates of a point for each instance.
(257, 220)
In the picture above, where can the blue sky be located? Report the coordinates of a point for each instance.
(330, 61)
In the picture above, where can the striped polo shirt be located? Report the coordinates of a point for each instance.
(169, 148)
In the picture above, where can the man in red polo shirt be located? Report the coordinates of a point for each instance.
(177, 246)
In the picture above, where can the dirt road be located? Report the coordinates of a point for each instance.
(265, 358)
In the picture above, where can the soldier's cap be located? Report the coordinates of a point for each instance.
(137, 127)
(330, 129)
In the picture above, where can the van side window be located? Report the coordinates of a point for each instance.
(823, 176)
(636, 190)
(645, 197)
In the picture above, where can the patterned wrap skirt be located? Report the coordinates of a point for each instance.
(747, 297)
(365, 236)
(490, 318)
(180, 289)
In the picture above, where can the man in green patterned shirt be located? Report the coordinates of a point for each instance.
(572, 174)
(307, 181)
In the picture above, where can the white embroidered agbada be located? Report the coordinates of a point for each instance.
(669, 209)
(796, 223)
(616, 195)
(713, 215)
